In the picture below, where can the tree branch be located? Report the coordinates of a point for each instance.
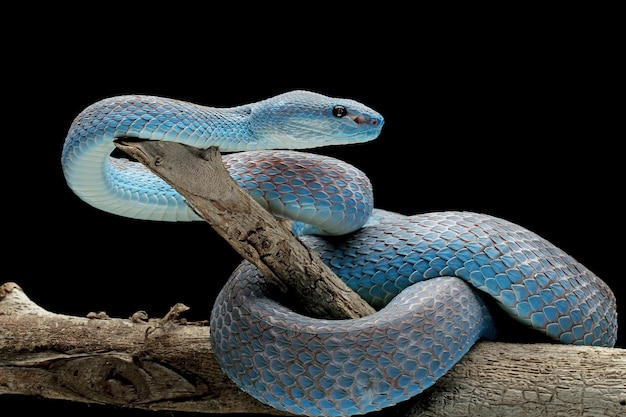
(200, 176)
(167, 364)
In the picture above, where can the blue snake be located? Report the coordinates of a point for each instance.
(430, 276)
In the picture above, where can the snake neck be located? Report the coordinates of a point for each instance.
(157, 118)
(100, 179)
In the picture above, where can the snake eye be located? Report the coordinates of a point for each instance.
(339, 111)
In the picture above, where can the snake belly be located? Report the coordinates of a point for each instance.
(427, 275)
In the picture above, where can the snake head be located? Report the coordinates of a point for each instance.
(303, 119)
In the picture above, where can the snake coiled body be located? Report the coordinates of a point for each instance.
(428, 275)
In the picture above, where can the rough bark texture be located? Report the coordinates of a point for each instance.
(200, 176)
(167, 364)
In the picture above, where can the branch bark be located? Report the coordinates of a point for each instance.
(167, 364)
(200, 176)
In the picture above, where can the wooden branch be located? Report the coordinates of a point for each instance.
(200, 176)
(167, 364)
(159, 364)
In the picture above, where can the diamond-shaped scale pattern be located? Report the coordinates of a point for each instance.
(532, 280)
(422, 272)
(343, 367)
(325, 195)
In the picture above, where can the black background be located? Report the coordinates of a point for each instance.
(514, 119)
